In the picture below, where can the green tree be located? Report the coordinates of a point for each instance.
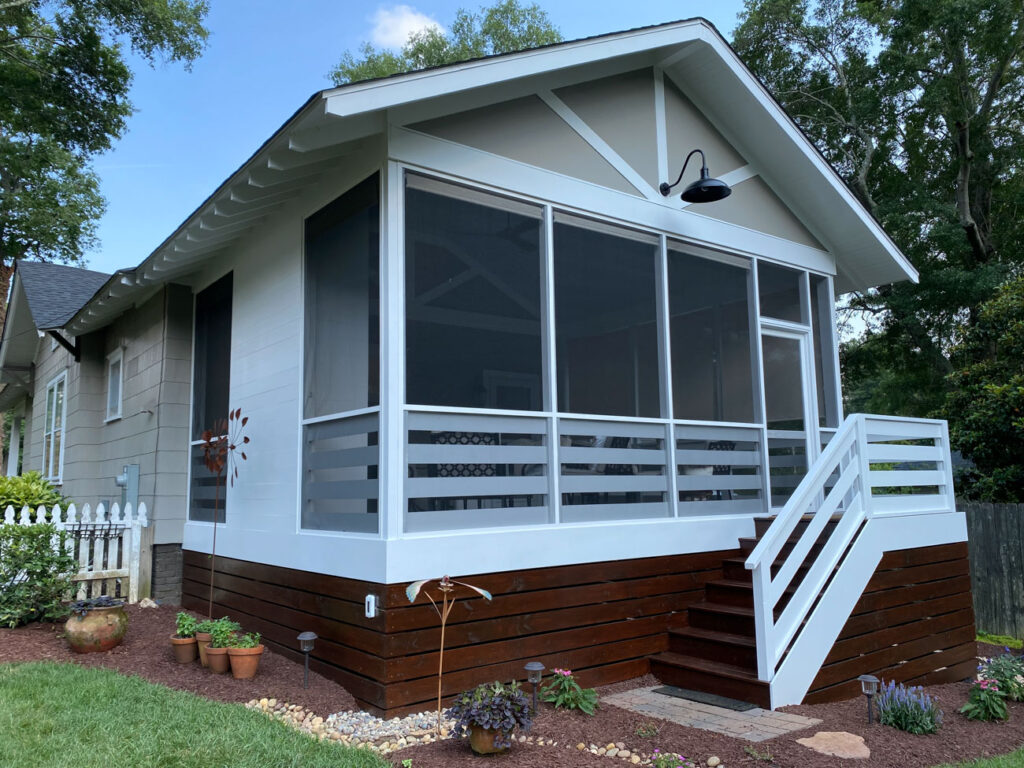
(917, 103)
(985, 403)
(501, 28)
(64, 84)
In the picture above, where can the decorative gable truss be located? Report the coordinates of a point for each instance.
(625, 132)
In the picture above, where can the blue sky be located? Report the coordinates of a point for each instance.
(265, 58)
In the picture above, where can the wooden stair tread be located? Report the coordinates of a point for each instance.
(714, 635)
(707, 666)
(735, 610)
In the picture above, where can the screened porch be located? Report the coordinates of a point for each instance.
(540, 367)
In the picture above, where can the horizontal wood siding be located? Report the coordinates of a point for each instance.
(603, 620)
(913, 624)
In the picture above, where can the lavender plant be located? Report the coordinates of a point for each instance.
(495, 706)
(985, 701)
(908, 709)
(1008, 671)
(563, 691)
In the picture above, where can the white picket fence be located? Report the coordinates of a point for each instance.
(108, 545)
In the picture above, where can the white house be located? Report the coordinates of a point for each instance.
(473, 337)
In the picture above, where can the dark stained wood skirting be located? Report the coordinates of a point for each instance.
(913, 624)
(602, 620)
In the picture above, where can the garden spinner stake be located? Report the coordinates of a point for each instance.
(445, 586)
(221, 451)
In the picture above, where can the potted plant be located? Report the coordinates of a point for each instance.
(245, 655)
(96, 624)
(488, 714)
(222, 636)
(203, 639)
(183, 641)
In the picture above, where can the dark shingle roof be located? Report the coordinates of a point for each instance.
(56, 292)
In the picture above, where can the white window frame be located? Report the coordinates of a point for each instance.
(117, 356)
(50, 428)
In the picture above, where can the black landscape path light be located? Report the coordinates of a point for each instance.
(306, 640)
(705, 189)
(869, 687)
(534, 672)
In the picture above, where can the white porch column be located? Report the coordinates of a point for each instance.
(14, 446)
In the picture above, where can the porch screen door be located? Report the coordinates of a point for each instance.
(789, 410)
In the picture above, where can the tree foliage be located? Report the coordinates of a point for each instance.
(64, 84)
(501, 28)
(985, 403)
(917, 103)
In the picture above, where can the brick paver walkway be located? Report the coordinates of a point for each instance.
(752, 725)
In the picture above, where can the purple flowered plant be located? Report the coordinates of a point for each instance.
(495, 706)
(670, 760)
(909, 709)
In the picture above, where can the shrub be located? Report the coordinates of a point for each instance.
(1008, 671)
(29, 490)
(185, 625)
(564, 691)
(985, 701)
(492, 705)
(908, 709)
(670, 760)
(35, 574)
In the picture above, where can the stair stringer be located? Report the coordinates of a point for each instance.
(880, 534)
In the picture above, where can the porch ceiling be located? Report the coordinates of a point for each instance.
(339, 123)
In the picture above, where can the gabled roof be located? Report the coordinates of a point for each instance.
(55, 292)
(331, 124)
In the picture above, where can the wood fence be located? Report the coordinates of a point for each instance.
(996, 541)
(112, 547)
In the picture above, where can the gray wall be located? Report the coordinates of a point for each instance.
(156, 337)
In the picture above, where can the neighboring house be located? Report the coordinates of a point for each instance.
(88, 405)
(472, 337)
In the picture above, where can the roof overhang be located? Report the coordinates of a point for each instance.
(18, 345)
(335, 124)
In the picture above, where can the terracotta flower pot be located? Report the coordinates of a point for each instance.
(218, 660)
(202, 640)
(482, 741)
(244, 661)
(99, 630)
(184, 649)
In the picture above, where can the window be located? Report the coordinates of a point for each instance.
(53, 429)
(340, 453)
(606, 329)
(780, 292)
(473, 298)
(824, 359)
(342, 337)
(710, 321)
(115, 379)
(211, 377)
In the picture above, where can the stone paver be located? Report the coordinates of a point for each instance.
(753, 725)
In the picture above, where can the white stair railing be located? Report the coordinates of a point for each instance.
(854, 480)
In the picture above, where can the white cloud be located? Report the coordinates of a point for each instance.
(392, 26)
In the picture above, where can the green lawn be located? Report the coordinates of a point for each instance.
(1012, 760)
(64, 715)
(1010, 642)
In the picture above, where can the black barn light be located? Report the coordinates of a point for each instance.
(705, 189)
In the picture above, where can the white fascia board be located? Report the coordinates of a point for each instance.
(359, 98)
(782, 120)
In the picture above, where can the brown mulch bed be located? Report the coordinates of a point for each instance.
(958, 739)
(146, 653)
